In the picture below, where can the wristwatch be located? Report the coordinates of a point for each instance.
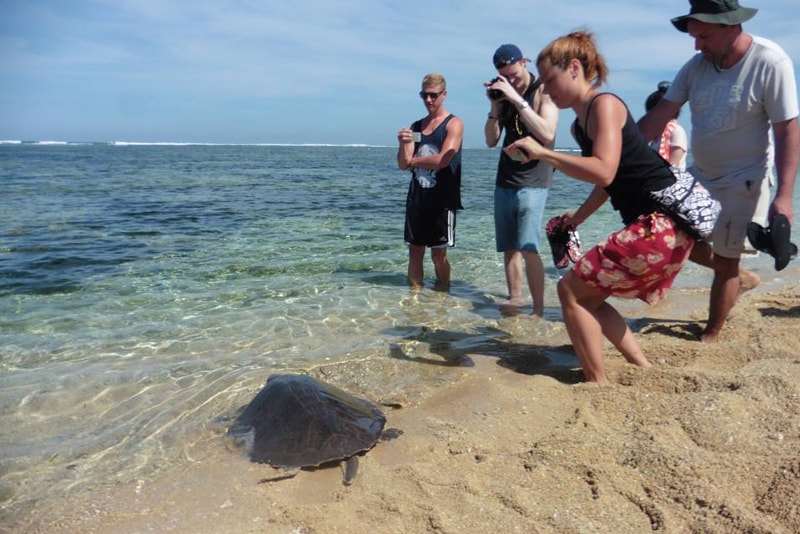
(524, 104)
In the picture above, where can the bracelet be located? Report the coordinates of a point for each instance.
(492, 117)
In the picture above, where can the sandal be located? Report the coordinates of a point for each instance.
(774, 240)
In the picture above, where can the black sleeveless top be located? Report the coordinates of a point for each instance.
(640, 170)
(431, 189)
(515, 174)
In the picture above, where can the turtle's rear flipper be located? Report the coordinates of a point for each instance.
(288, 472)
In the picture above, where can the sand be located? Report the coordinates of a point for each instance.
(502, 436)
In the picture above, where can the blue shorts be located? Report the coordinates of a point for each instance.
(518, 217)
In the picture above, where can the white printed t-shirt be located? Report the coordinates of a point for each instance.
(732, 110)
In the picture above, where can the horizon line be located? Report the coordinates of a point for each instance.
(202, 143)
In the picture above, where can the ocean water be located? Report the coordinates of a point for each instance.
(144, 286)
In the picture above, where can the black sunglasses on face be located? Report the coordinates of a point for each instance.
(424, 94)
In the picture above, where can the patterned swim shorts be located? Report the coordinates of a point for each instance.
(640, 261)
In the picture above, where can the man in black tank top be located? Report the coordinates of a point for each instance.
(431, 150)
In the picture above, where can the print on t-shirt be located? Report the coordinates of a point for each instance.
(426, 178)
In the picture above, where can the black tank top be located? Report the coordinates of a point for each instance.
(435, 189)
(640, 170)
(515, 174)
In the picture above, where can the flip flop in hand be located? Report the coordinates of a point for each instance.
(775, 240)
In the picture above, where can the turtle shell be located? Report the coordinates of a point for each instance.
(299, 421)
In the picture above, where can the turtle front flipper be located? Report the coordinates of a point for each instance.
(391, 433)
(350, 468)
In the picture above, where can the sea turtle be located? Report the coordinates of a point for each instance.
(297, 421)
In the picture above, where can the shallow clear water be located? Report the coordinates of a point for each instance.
(146, 289)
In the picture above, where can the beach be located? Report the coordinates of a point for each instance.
(504, 437)
(148, 292)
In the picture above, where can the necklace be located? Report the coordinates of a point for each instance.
(517, 126)
(532, 85)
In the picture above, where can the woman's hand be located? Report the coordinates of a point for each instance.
(569, 222)
(525, 149)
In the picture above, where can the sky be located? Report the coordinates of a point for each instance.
(308, 71)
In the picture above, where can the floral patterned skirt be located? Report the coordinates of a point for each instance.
(640, 261)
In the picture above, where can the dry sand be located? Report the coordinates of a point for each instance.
(707, 440)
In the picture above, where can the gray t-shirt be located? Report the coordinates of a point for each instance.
(732, 111)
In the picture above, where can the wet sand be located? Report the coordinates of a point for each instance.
(500, 435)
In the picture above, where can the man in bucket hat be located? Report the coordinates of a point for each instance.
(738, 87)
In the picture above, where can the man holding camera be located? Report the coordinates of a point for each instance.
(520, 107)
(431, 150)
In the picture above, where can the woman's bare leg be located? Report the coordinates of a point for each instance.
(588, 318)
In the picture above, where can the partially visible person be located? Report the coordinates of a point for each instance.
(738, 87)
(434, 193)
(673, 143)
(640, 260)
(520, 108)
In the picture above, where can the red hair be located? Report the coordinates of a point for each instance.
(579, 45)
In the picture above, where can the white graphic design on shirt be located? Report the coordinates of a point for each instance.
(426, 178)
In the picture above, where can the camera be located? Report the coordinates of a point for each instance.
(494, 94)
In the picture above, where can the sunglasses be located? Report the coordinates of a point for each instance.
(500, 63)
(433, 96)
(664, 86)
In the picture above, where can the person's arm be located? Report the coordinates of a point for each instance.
(787, 158)
(493, 128)
(654, 121)
(593, 202)
(452, 142)
(608, 115)
(405, 149)
(676, 154)
(678, 145)
(541, 122)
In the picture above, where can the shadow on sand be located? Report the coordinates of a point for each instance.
(455, 349)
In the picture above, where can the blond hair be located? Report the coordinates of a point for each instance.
(579, 45)
(436, 79)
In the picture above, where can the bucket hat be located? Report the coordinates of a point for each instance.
(727, 12)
